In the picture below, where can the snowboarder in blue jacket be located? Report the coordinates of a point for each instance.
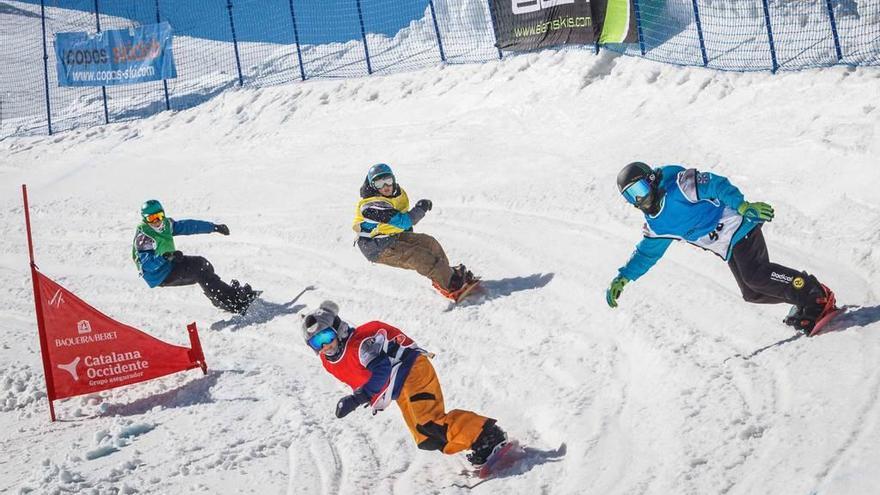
(161, 264)
(706, 210)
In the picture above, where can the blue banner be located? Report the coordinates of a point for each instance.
(121, 56)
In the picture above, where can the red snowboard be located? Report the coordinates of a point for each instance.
(503, 459)
(822, 325)
(466, 290)
(460, 294)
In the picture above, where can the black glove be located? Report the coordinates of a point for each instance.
(221, 228)
(173, 256)
(351, 402)
(424, 204)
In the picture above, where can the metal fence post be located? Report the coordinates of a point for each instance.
(302, 71)
(437, 30)
(834, 30)
(639, 27)
(46, 65)
(164, 81)
(364, 37)
(234, 42)
(103, 88)
(770, 36)
(700, 34)
(492, 18)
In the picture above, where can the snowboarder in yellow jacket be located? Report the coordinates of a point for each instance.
(384, 224)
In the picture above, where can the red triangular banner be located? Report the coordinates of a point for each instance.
(86, 351)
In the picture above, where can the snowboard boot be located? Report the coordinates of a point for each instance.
(244, 296)
(461, 276)
(461, 279)
(804, 318)
(490, 440)
(469, 277)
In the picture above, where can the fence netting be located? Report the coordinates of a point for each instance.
(220, 44)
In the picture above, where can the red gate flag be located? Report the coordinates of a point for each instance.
(89, 351)
(86, 351)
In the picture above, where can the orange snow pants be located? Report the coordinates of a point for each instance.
(421, 403)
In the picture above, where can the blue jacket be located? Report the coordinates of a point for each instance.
(153, 266)
(698, 208)
(381, 371)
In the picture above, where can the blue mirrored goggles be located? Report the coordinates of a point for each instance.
(637, 191)
(322, 338)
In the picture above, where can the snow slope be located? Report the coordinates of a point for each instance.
(519, 158)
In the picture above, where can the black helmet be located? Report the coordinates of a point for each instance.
(638, 182)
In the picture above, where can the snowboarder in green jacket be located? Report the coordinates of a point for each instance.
(161, 264)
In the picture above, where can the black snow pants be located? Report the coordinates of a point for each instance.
(197, 270)
(763, 282)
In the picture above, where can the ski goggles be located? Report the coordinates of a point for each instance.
(637, 191)
(380, 182)
(322, 338)
(155, 217)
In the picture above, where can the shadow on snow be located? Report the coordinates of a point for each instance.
(854, 316)
(533, 457)
(191, 393)
(261, 311)
(494, 289)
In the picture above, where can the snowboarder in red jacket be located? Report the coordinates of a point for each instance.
(382, 364)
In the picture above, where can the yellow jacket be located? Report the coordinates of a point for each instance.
(380, 216)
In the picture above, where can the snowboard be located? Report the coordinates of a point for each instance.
(466, 291)
(505, 458)
(821, 326)
(459, 295)
(512, 458)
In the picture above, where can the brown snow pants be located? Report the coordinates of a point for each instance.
(419, 252)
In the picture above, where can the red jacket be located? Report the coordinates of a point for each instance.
(376, 357)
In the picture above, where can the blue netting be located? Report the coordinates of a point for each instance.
(219, 44)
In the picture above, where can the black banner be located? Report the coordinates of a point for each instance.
(522, 25)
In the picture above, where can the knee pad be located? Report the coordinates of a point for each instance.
(436, 436)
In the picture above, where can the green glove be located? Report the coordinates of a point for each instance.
(756, 211)
(614, 291)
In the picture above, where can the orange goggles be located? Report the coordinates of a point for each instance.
(155, 217)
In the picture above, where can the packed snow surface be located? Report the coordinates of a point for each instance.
(679, 390)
